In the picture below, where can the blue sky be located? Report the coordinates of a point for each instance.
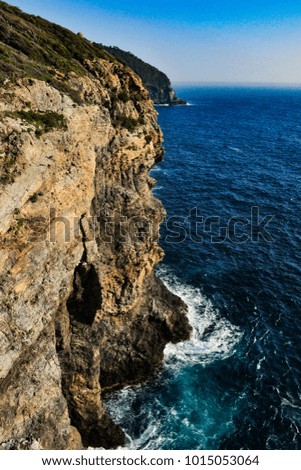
(235, 41)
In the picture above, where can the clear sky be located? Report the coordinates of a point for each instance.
(236, 41)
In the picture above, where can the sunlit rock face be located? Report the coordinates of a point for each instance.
(81, 310)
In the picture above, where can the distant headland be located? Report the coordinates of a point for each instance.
(155, 81)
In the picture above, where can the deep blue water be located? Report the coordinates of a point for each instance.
(237, 383)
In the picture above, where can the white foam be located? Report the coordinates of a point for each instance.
(235, 149)
(213, 336)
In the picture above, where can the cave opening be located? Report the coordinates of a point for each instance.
(86, 297)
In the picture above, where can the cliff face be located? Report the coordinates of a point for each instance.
(155, 81)
(81, 310)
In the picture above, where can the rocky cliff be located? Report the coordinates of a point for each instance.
(155, 81)
(81, 311)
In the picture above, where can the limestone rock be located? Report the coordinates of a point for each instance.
(81, 311)
(80, 306)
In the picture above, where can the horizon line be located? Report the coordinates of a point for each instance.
(238, 84)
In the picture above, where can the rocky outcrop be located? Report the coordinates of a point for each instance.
(155, 81)
(81, 311)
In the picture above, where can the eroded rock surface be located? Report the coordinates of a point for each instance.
(80, 307)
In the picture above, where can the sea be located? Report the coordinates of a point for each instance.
(231, 186)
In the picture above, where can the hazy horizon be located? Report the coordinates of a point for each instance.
(230, 42)
(237, 84)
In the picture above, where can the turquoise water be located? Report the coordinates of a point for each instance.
(234, 156)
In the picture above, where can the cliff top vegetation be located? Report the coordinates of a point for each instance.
(33, 47)
(149, 74)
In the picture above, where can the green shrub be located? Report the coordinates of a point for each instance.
(34, 198)
(44, 122)
(123, 96)
(127, 122)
